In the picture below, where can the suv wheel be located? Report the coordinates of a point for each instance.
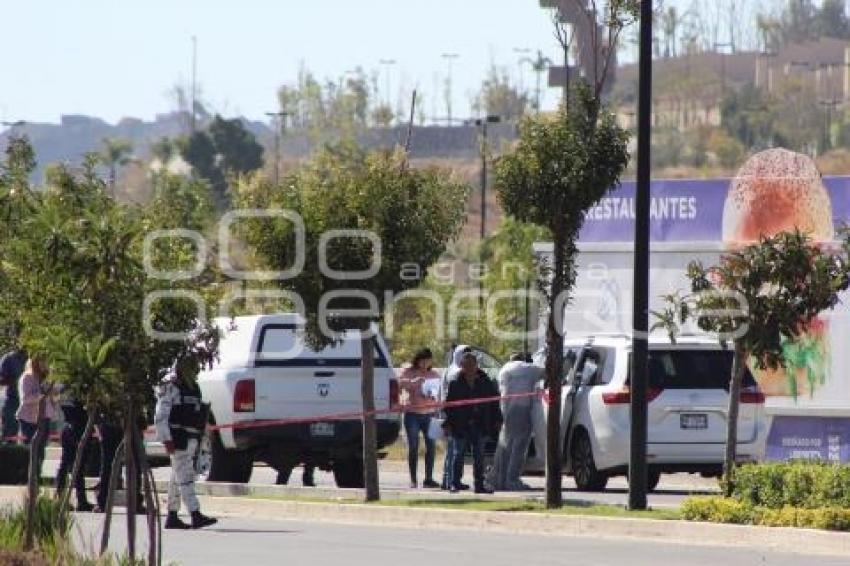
(218, 464)
(586, 476)
(349, 473)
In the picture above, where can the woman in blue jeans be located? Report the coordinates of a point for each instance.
(418, 408)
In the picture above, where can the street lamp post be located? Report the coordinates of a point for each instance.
(279, 121)
(449, 57)
(640, 308)
(481, 123)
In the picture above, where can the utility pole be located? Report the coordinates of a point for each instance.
(640, 308)
(279, 121)
(192, 120)
(449, 57)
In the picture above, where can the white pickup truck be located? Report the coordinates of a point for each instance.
(267, 373)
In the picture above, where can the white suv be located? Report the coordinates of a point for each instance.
(688, 402)
(267, 373)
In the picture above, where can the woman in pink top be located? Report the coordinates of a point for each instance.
(33, 387)
(418, 407)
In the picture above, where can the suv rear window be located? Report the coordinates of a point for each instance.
(281, 345)
(692, 369)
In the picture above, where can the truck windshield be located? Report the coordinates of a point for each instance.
(282, 345)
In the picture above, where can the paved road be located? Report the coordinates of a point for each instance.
(671, 491)
(246, 541)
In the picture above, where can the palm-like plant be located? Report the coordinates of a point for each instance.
(115, 153)
(84, 367)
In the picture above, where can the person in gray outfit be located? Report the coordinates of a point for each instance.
(518, 377)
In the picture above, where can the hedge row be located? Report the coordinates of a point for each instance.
(723, 510)
(805, 485)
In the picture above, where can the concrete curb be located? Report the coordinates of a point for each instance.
(220, 489)
(812, 542)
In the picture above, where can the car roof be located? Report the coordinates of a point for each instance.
(656, 341)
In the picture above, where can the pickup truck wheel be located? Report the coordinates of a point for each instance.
(586, 476)
(349, 473)
(222, 465)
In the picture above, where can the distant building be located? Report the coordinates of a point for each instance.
(688, 90)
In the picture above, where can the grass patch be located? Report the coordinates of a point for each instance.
(496, 505)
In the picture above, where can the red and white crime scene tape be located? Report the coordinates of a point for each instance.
(435, 406)
(353, 415)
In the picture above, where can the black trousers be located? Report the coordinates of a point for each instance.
(110, 437)
(72, 433)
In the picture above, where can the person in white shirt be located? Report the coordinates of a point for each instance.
(518, 377)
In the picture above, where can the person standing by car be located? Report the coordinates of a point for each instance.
(418, 407)
(75, 417)
(450, 375)
(11, 367)
(180, 420)
(518, 380)
(35, 390)
(469, 425)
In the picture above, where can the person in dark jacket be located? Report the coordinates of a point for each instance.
(75, 417)
(11, 368)
(470, 425)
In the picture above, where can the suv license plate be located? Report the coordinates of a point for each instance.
(321, 429)
(693, 421)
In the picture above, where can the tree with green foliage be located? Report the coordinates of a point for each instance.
(499, 96)
(225, 149)
(409, 214)
(72, 267)
(561, 167)
(759, 297)
(804, 20)
(345, 105)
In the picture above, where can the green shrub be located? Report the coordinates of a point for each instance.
(807, 485)
(716, 510)
(15, 466)
(728, 510)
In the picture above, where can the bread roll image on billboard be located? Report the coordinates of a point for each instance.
(777, 191)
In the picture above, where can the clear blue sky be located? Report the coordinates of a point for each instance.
(112, 58)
